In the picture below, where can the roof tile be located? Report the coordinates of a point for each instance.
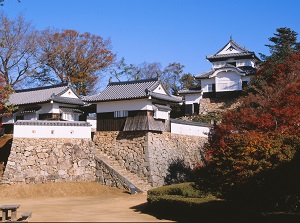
(42, 94)
(130, 90)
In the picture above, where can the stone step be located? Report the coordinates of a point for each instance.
(131, 177)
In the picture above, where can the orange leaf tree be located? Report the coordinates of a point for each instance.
(74, 57)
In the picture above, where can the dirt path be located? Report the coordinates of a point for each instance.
(81, 202)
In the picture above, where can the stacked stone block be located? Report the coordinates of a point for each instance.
(149, 154)
(50, 160)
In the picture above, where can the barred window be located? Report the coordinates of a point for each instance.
(119, 114)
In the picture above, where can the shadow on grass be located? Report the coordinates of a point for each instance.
(215, 211)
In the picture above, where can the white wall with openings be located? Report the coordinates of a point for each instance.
(51, 129)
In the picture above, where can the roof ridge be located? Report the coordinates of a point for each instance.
(42, 88)
(133, 81)
(239, 46)
(234, 43)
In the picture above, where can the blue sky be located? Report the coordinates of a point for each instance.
(165, 31)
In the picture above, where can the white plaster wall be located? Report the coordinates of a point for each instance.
(129, 105)
(228, 81)
(93, 122)
(205, 82)
(161, 115)
(55, 108)
(240, 63)
(218, 64)
(46, 108)
(189, 130)
(192, 98)
(226, 51)
(246, 78)
(49, 108)
(70, 116)
(160, 90)
(34, 131)
(69, 94)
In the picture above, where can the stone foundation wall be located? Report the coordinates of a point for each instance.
(107, 176)
(146, 154)
(208, 105)
(149, 154)
(128, 148)
(50, 160)
(166, 148)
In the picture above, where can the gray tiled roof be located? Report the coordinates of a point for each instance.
(244, 52)
(162, 107)
(229, 55)
(205, 74)
(70, 110)
(189, 91)
(164, 97)
(185, 122)
(247, 70)
(130, 90)
(42, 94)
(235, 44)
(52, 123)
(65, 100)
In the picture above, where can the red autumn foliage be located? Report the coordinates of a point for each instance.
(262, 133)
(273, 108)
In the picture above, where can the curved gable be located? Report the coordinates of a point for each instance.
(69, 94)
(160, 90)
(228, 70)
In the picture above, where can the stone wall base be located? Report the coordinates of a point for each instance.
(45, 160)
(149, 154)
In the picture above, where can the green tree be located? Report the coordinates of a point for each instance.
(283, 43)
(188, 81)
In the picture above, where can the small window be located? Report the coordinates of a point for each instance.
(120, 114)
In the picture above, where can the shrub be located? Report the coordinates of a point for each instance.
(260, 170)
(187, 190)
(183, 201)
